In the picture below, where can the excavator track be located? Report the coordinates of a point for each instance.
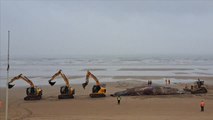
(32, 97)
(65, 96)
(93, 95)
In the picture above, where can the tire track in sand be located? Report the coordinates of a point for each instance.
(22, 112)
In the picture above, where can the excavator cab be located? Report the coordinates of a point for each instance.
(33, 92)
(199, 83)
(98, 90)
(66, 92)
(95, 88)
(199, 87)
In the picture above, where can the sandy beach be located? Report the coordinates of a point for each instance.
(82, 107)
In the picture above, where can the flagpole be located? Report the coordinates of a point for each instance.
(8, 67)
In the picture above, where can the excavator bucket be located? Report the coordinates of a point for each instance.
(10, 85)
(51, 83)
(84, 85)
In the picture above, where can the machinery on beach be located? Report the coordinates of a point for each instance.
(66, 91)
(33, 92)
(98, 90)
(197, 88)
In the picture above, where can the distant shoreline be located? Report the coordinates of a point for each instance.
(113, 79)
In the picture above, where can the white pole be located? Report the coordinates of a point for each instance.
(8, 67)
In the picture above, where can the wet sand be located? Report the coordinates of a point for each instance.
(82, 107)
(155, 69)
(206, 78)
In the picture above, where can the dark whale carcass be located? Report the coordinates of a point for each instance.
(148, 90)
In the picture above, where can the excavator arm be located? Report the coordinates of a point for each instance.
(88, 75)
(62, 75)
(20, 77)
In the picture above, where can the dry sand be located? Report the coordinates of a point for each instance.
(170, 107)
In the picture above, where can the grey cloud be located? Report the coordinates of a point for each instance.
(107, 27)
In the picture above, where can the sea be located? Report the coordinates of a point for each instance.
(106, 68)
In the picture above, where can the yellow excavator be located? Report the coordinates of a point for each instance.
(98, 90)
(33, 92)
(66, 91)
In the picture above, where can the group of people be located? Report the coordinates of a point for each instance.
(167, 81)
(149, 82)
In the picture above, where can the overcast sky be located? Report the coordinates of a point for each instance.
(40, 27)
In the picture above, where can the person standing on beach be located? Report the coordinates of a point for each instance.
(202, 104)
(166, 81)
(169, 81)
(119, 99)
